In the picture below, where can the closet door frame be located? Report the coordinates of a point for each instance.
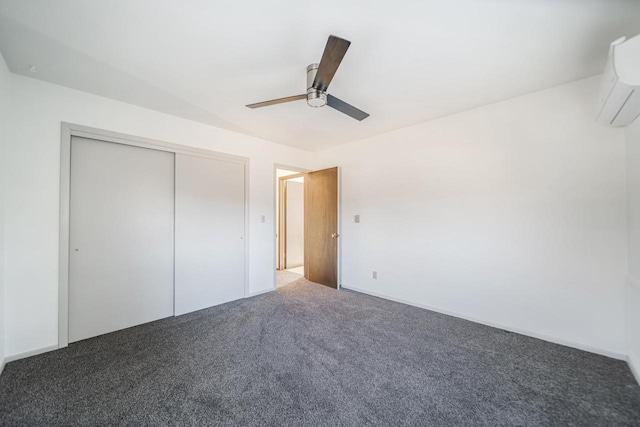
(69, 130)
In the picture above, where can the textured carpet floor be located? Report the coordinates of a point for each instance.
(309, 355)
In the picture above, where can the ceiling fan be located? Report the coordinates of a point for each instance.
(318, 78)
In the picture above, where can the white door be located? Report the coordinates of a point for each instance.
(210, 222)
(121, 237)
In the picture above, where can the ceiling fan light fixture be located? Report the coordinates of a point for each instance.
(316, 98)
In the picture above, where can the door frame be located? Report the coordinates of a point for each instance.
(69, 130)
(276, 182)
(281, 256)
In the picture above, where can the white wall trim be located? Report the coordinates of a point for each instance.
(3, 362)
(264, 291)
(339, 228)
(68, 130)
(632, 358)
(63, 236)
(634, 364)
(526, 332)
(30, 353)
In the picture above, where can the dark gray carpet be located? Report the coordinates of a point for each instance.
(309, 355)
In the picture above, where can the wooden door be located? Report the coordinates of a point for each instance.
(321, 227)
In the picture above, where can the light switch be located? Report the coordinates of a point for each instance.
(356, 219)
(263, 219)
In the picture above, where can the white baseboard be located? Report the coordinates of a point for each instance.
(633, 359)
(253, 294)
(556, 340)
(46, 349)
(30, 353)
(634, 364)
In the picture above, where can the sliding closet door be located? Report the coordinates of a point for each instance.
(121, 237)
(210, 222)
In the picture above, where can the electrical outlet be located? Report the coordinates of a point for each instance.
(375, 275)
(356, 219)
(263, 219)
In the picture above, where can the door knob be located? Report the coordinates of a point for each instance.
(334, 235)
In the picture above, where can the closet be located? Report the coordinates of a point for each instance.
(153, 231)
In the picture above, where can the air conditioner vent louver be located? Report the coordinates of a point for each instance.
(619, 96)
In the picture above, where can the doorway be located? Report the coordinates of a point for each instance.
(307, 227)
(290, 226)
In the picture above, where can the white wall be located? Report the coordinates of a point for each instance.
(5, 78)
(513, 214)
(32, 198)
(633, 168)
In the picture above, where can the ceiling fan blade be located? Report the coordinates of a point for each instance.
(345, 108)
(277, 101)
(331, 58)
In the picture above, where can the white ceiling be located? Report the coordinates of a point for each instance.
(409, 61)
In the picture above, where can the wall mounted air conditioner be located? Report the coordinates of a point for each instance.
(619, 97)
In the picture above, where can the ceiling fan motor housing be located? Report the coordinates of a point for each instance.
(315, 98)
